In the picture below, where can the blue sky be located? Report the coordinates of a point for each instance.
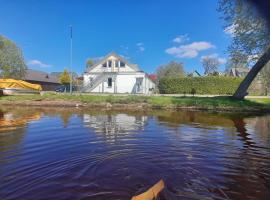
(149, 33)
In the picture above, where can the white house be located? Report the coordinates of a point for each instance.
(114, 74)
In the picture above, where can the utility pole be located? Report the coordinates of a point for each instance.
(70, 89)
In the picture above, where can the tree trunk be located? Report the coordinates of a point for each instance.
(241, 92)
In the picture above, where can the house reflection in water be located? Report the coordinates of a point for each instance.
(115, 126)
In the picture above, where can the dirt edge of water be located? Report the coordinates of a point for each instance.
(129, 106)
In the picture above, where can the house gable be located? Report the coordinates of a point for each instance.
(113, 63)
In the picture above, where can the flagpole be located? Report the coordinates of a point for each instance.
(71, 78)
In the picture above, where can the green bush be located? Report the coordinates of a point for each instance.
(199, 85)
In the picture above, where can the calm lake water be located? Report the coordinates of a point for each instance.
(73, 154)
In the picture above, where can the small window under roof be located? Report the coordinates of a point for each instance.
(122, 64)
(109, 63)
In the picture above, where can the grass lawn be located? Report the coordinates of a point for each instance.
(263, 101)
(156, 101)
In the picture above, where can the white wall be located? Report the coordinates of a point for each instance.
(104, 85)
(149, 86)
(125, 83)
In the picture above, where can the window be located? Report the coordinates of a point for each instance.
(122, 64)
(117, 63)
(109, 82)
(110, 63)
(104, 64)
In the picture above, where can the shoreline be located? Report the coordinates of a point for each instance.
(134, 102)
(128, 106)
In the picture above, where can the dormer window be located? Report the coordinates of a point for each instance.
(109, 63)
(117, 63)
(122, 64)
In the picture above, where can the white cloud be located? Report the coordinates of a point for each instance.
(181, 38)
(215, 55)
(190, 50)
(140, 46)
(37, 63)
(230, 30)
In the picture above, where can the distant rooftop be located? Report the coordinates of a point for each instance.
(34, 75)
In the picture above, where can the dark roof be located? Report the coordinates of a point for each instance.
(57, 74)
(34, 75)
(196, 72)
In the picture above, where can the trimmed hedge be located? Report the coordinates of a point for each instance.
(199, 85)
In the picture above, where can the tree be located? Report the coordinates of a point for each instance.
(6, 72)
(210, 65)
(65, 78)
(241, 92)
(12, 63)
(248, 29)
(250, 37)
(266, 77)
(89, 63)
(171, 70)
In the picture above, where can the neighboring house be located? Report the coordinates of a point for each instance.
(47, 81)
(153, 77)
(216, 73)
(114, 74)
(238, 71)
(195, 73)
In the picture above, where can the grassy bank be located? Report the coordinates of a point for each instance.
(209, 103)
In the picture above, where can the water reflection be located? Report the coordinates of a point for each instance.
(12, 129)
(249, 155)
(65, 116)
(245, 125)
(113, 125)
(261, 125)
(13, 119)
(174, 119)
(79, 154)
